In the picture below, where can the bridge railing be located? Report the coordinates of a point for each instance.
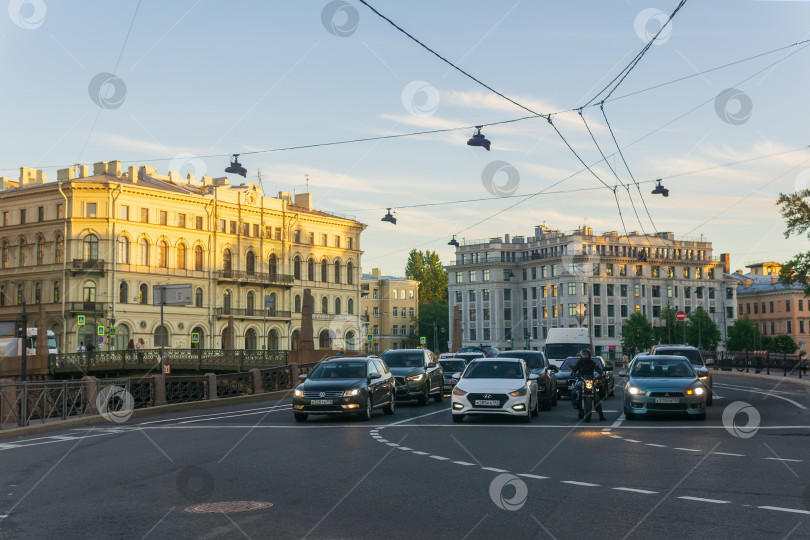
(787, 365)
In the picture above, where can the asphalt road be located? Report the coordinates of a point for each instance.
(252, 472)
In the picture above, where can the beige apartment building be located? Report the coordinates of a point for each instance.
(98, 245)
(390, 307)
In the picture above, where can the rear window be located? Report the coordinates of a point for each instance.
(494, 370)
(403, 359)
(691, 354)
(534, 360)
(452, 366)
(569, 362)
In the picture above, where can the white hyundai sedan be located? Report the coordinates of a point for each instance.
(495, 386)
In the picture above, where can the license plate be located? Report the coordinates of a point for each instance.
(487, 403)
(667, 400)
(321, 402)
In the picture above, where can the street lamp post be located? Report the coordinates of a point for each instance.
(23, 417)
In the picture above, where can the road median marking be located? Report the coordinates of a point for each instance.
(701, 499)
(576, 483)
(635, 490)
(780, 509)
(535, 476)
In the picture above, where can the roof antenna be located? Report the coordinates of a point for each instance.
(307, 177)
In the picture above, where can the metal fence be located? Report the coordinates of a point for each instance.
(786, 365)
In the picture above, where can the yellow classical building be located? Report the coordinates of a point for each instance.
(390, 307)
(98, 247)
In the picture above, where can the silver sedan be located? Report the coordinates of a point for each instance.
(663, 384)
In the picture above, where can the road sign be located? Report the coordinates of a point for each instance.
(112, 331)
(681, 315)
(370, 337)
(167, 369)
(422, 340)
(195, 337)
(100, 339)
(100, 330)
(80, 320)
(173, 295)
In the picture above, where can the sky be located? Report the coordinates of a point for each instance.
(164, 83)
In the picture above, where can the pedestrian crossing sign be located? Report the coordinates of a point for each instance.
(80, 320)
(370, 337)
(195, 337)
(100, 330)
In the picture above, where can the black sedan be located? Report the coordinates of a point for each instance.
(418, 374)
(345, 386)
(566, 380)
(547, 382)
(451, 366)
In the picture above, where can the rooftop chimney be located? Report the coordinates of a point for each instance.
(99, 168)
(114, 168)
(66, 174)
(30, 176)
(377, 273)
(304, 199)
(726, 260)
(84, 171)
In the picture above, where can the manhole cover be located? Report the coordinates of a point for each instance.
(227, 507)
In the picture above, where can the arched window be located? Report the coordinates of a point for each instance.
(123, 250)
(272, 265)
(226, 260)
(90, 247)
(198, 258)
(337, 271)
(350, 273)
(251, 303)
(297, 304)
(200, 337)
(198, 297)
(226, 303)
(89, 291)
(37, 293)
(20, 294)
(56, 295)
(40, 250)
(143, 246)
(324, 265)
(250, 262)
(59, 249)
(250, 339)
(161, 337)
(337, 306)
(226, 338)
(324, 305)
(351, 341)
(5, 254)
(295, 340)
(123, 293)
(297, 267)
(21, 258)
(271, 308)
(324, 341)
(181, 256)
(350, 306)
(311, 269)
(163, 254)
(143, 294)
(121, 338)
(273, 340)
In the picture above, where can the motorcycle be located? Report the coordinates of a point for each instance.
(587, 399)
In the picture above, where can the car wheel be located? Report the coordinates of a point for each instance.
(458, 418)
(700, 416)
(528, 418)
(440, 396)
(554, 396)
(546, 402)
(536, 409)
(629, 415)
(300, 417)
(425, 397)
(709, 398)
(391, 407)
(366, 414)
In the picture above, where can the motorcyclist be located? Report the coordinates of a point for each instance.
(585, 368)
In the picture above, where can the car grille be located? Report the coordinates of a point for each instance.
(666, 406)
(327, 394)
(400, 381)
(666, 394)
(502, 398)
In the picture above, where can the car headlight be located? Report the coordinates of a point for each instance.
(635, 391)
(697, 391)
(459, 392)
(416, 377)
(352, 392)
(519, 392)
(298, 392)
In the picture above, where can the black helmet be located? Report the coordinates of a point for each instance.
(585, 353)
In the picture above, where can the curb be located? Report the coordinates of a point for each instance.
(803, 380)
(139, 413)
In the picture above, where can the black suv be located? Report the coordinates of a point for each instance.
(345, 386)
(547, 383)
(418, 374)
(693, 355)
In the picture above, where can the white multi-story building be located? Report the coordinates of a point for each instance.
(512, 290)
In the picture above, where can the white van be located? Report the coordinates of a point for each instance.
(564, 342)
(12, 346)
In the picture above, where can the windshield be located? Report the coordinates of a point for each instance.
(494, 370)
(452, 366)
(691, 354)
(51, 342)
(534, 360)
(569, 363)
(650, 366)
(339, 370)
(564, 350)
(403, 359)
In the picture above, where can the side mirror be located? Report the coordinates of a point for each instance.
(710, 361)
(302, 376)
(623, 373)
(608, 368)
(431, 365)
(552, 367)
(457, 375)
(533, 376)
(374, 376)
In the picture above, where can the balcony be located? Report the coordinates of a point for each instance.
(87, 308)
(239, 276)
(87, 266)
(243, 313)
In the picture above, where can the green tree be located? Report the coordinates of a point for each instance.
(743, 335)
(433, 324)
(673, 330)
(637, 332)
(796, 211)
(426, 268)
(783, 343)
(702, 332)
(767, 343)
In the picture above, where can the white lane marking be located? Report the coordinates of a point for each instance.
(688, 449)
(392, 444)
(728, 454)
(701, 499)
(416, 418)
(493, 469)
(799, 405)
(420, 453)
(634, 490)
(382, 440)
(52, 440)
(211, 415)
(5, 446)
(405, 448)
(441, 458)
(741, 387)
(65, 437)
(463, 463)
(784, 459)
(575, 483)
(780, 509)
(606, 411)
(535, 476)
(657, 445)
(616, 437)
(618, 421)
(235, 415)
(632, 440)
